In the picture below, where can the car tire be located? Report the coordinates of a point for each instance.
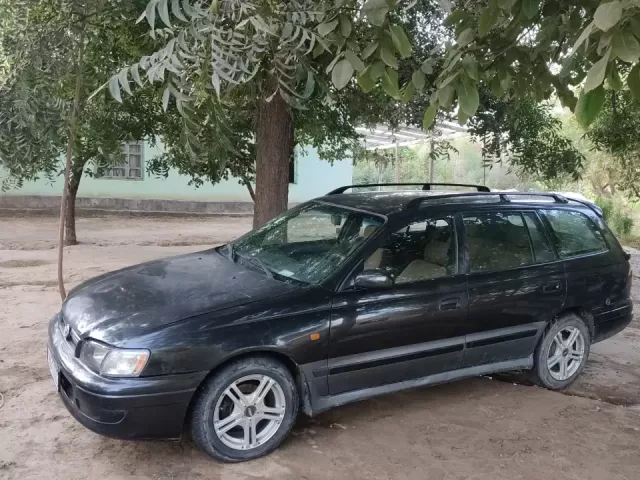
(562, 353)
(231, 423)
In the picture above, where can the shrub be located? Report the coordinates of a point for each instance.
(617, 216)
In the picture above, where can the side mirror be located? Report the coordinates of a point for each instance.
(336, 219)
(373, 279)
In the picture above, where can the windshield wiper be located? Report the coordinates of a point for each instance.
(260, 263)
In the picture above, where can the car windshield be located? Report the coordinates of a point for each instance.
(306, 244)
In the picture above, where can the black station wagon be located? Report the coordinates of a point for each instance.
(339, 299)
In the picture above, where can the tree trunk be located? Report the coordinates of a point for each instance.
(70, 214)
(247, 184)
(274, 151)
(73, 120)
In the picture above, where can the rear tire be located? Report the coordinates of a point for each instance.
(562, 353)
(245, 410)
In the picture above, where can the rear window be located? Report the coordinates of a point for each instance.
(574, 233)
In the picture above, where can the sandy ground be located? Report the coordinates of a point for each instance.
(473, 429)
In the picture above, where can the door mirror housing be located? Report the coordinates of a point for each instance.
(373, 279)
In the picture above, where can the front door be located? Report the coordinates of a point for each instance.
(410, 330)
(516, 285)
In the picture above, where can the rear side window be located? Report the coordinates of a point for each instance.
(497, 241)
(541, 246)
(574, 233)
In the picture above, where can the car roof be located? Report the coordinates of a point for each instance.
(390, 202)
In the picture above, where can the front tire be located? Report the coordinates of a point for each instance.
(562, 353)
(245, 410)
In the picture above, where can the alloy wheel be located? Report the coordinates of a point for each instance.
(249, 412)
(566, 353)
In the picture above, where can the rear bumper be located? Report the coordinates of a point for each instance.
(612, 320)
(129, 408)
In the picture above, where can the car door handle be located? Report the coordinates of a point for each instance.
(451, 303)
(551, 287)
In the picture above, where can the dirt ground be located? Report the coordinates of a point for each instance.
(473, 429)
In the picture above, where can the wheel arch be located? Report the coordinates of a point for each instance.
(583, 313)
(291, 365)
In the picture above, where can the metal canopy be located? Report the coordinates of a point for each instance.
(382, 137)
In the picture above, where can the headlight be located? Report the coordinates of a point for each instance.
(124, 363)
(113, 362)
(92, 354)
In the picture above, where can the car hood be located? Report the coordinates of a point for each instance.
(121, 305)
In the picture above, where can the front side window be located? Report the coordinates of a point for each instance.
(497, 241)
(419, 251)
(574, 233)
(308, 243)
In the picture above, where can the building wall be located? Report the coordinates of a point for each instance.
(313, 177)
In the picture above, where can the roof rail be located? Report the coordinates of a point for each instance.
(503, 196)
(425, 186)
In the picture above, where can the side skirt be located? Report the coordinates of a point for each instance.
(322, 403)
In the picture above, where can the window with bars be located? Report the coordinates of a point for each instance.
(128, 166)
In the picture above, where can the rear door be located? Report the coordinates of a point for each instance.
(516, 284)
(411, 330)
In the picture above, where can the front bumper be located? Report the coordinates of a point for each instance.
(130, 408)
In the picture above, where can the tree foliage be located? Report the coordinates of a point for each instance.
(40, 43)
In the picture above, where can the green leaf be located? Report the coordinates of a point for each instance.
(409, 92)
(488, 20)
(427, 66)
(596, 74)
(166, 95)
(377, 70)
(583, 36)
(608, 14)
(625, 46)
(177, 11)
(468, 98)
(589, 105)
(114, 88)
(366, 81)
(341, 74)
(449, 79)
(354, 60)
(633, 81)
(326, 28)
(163, 10)
(462, 117)
(613, 78)
(369, 50)
(465, 37)
(530, 8)
(470, 65)
(418, 79)
(505, 5)
(124, 80)
(429, 116)
(445, 96)
(390, 83)
(150, 13)
(388, 57)
(135, 73)
(400, 41)
(345, 26)
(310, 85)
(376, 11)
(214, 7)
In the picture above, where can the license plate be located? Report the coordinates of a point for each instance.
(53, 368)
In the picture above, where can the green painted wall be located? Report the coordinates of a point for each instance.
(314, 177)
